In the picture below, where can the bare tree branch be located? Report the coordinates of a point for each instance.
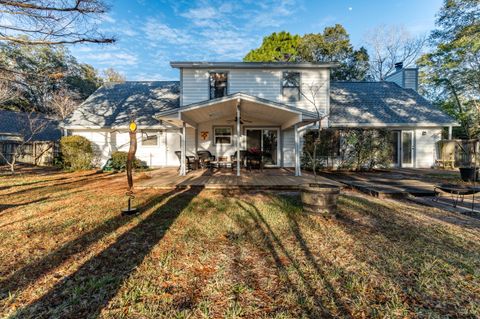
(52, 22)
(62, 103)
(389, 45)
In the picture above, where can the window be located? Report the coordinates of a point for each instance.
(222, 135)
(291, 86)
(149, 138)
(218, 85)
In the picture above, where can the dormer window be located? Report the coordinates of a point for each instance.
(291, 86)
(218, 84)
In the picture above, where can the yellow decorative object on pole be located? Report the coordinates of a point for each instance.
(130, 159)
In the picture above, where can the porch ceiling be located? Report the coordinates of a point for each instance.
(249, 109)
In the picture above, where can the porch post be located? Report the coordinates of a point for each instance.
(196, 141)
(183, 170)
(450, 132)
(297, 152)
(238, 137)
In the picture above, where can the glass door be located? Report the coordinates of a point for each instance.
(407, 149)
(395, 147)
(266, 140)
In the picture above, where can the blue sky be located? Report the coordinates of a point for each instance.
(151, 33)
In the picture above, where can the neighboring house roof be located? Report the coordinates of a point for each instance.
(252, 65)
(381, 104)
(16, 124)
(114, 104)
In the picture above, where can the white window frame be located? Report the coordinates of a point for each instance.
(156, 134)
(215, 135)
(298, 86)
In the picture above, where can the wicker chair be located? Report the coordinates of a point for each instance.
(189, 161)
(205, 158)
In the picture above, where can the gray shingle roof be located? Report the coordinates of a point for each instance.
(381, 103)
(17, 123)
(113, 104)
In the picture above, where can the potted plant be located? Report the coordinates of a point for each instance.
(317, 198)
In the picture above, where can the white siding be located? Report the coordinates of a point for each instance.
(101, 143)
(425, 146)
(406, 78)
(289, 148)
(410, 80)
(261, 83)
(396, 78)
(160, 155)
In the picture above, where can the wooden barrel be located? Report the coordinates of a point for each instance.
(320, 198)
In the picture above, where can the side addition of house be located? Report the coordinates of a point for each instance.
(227, 108)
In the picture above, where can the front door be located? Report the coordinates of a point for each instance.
(266, 140)
(407, 149)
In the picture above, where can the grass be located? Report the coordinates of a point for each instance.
(68, 253)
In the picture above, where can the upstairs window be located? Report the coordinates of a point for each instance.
(218, 84)
(291, 86)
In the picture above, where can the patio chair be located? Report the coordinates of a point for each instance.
(189, 161)
(233, 159)
(205, 158)
(254, 160)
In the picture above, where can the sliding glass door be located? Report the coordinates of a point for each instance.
(266, 140)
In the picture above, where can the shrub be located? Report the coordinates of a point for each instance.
(77, 152)
(327, 149)
(119, 161)
(365, 149)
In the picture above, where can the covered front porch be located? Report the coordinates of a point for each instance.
(237, 125)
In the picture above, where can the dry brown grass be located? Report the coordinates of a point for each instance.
(67, 253)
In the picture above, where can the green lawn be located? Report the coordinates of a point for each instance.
(68, 253)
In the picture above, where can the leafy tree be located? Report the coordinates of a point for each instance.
(450, 75)
(333, 45)
(277, 47)
(111, 75)
(42, 70)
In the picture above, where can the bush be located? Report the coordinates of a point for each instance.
(327, 149)
(77, 152)
(365, 149)
(119, 161)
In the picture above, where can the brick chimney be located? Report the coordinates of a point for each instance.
(405, 77)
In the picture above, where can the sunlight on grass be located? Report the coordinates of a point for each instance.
(209, 254)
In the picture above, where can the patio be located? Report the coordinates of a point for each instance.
(225, 178)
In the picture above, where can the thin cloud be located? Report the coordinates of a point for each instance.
(158, 31)
(113, 58)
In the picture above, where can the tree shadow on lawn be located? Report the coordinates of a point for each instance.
(85, 292)
(404, 248)
(81, 181)
(33, 271)
(308, 298)
(7, 206)
(415, 245)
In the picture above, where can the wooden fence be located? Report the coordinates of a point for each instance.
(36, 153)
(457, 153)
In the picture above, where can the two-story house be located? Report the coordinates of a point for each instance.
(226, 107)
